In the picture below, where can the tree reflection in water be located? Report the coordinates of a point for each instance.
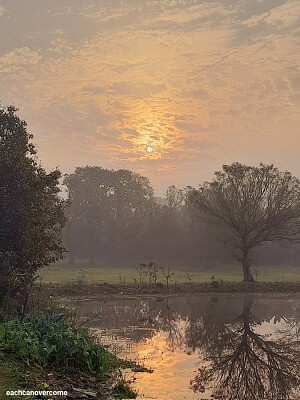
(242, 364)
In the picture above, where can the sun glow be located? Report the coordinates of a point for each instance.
(149, 132)
(149, 149)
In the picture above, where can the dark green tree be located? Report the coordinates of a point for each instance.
(109, 212)
(255, 205)
(31, 211)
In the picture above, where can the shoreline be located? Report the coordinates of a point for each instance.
(120, 290)
(19, 372)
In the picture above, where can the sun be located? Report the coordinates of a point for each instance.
(149, 149)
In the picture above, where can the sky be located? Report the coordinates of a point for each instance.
(201, 83)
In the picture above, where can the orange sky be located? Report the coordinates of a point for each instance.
(202, 83)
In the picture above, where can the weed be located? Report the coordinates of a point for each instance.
(38, 341)
(149, 270)
(122, 391)
(166, 271)
(81, 278)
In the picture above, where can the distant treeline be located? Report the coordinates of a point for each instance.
(114, 218)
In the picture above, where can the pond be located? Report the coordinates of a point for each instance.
(222, 347)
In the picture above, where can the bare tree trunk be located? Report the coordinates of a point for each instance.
(246, 315)
(246, 269)
(248, 303)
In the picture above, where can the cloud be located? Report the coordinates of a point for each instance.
(286, 15)
(92, 89)
(281, 17)
(192, 128)
(139, 90)
(58, 32)
(194, 80)
(14, 61)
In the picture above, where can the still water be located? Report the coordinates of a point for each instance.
(205, 347)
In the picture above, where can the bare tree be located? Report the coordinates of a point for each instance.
(255, 205)
(246, 365)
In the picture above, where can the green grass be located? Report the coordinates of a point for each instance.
(8, 375)
(8, 380)
(61, 273)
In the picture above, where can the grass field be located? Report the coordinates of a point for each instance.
(60, 273)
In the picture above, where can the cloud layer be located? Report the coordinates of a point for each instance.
(203, 83)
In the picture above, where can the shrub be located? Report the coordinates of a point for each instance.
(38, 341)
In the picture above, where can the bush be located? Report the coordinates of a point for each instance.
(38, 341)
(122, 391)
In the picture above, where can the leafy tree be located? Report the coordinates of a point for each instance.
(254, 204)
(31, 211)
(175, 198)
(109, 212)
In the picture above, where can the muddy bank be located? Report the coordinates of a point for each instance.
(15, 375)
(105, 289)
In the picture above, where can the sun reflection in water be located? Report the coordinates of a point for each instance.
(169, 365)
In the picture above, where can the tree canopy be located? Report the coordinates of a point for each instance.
(255, 205)
(110, 211)
(31, 211)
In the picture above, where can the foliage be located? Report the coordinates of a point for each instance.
(2, 331)
(39, 341)
(109, 211)
(104, 230)
(255, 205)
(175, 198)
(122, 391)
(31, 211)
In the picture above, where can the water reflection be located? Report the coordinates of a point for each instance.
(242, 363)
(226, 348)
